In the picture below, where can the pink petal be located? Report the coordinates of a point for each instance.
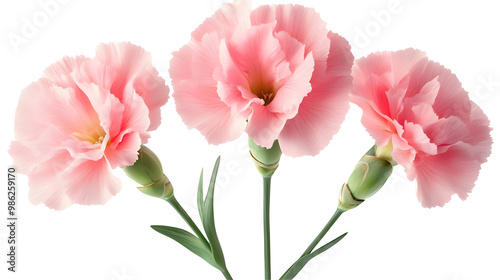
(207, 113)
(90, 182)
(225, 20)
(232, 86)
(404, 154)
(298, 21)
(452, 99)
(379, 126)
(151, 87)
(440, 176)
(117, 120)
(124, 150)
(264, 126)
(294, 90)
(257, 53)
(181, 63)
(135, 75)
(422, 114)
(42, 105)
(479, 133)
(206, 60)
(447, 131)
(60, 72)
(378, 72)
(109, 109)
(416, 137)
(293, 50)
(44, 183)
(319, 118)
(323, 110)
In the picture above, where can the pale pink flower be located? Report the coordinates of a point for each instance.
(438, 135)
(275, 72)
(82, 119)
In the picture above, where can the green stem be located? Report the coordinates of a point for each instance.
(227, 275)
(177, 206)
(267, 235)
(320, 236)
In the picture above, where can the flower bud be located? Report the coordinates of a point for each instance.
(368, 176)
(160, 189)
(148, 172)
(266, 160)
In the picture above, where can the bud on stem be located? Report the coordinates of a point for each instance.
(368, 176)
(266, 160)
(148, 172)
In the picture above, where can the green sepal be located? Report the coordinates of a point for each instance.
(368, 176)
(300, 263)
(160, 189)
(188, 240)
(209, 221)
(266, 160)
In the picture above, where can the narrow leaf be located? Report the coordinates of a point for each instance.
(188, 240)
(201, 203)
(208, 218)
(300, 263)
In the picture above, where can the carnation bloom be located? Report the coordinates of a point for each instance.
(83, 118)
(275, 72)
(438, 135)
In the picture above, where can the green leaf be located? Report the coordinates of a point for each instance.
(188, 240)
(300, 263)
(208, 219)
(201, 203)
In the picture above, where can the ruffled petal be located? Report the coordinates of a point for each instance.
(45, 185)
(440, 176)
(225, 20)
(201, 108)
(319, 118)
(298, 21)
(60, 72)
(264, 126)
(416, 137)
(379, 126)
(90, 182)
(42, 105)
(294, 90)
(479, 133)
(124, 150)
(134, 75)
(323, 110)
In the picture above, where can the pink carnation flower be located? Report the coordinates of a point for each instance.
(275, 72)
(82, 119)
(438, 135)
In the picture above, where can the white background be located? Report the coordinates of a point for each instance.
(390, 236)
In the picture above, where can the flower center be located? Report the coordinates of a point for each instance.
(94, 136)
(264, 92)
